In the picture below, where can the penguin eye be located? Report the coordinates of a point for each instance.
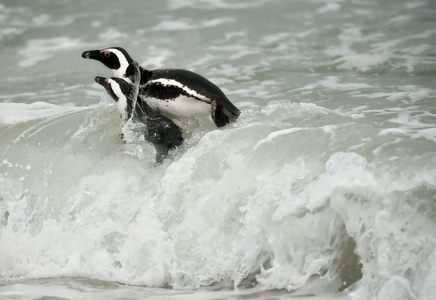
(106, 53)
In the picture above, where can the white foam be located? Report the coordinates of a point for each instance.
(111, 34)
(332, 82)
(40, 20)
(329, 7)
(4, 32)
(428, 133)
(280, 184)
(12, 113)
(77, 288)
(235, 51)
(38, 50)
(156, 57)
(362, 61)
(46, 21)
(416, 4)
(186, 24)
(410, 93)
(276, 134)
(213, 4)
(399, 19)
(380, 52)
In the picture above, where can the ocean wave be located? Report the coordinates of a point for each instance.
(287, 198)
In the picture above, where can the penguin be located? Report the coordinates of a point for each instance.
(177, 93)
(159, 130)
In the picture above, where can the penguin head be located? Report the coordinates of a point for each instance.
(115, 58)
(120, 91)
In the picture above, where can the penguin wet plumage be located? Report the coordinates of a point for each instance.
(159, 130)
(177, 93)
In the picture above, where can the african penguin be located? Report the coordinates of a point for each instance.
(177, 93)
(159, 129)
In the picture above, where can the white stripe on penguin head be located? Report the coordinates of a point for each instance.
(122, 99)
(121, 71)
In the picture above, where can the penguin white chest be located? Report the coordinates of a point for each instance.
(181, 107)
(175, 99)
(122, 100)
(122, 107)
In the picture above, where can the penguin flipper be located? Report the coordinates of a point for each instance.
(132, 73)
(145, 76)
(218, 116)
(232, 111)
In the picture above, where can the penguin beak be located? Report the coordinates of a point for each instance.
(104, 82)
(91, 54)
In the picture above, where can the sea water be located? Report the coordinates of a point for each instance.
(324, 188)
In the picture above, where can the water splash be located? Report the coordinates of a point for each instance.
(302, 210)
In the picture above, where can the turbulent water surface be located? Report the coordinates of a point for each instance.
(324, 188)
